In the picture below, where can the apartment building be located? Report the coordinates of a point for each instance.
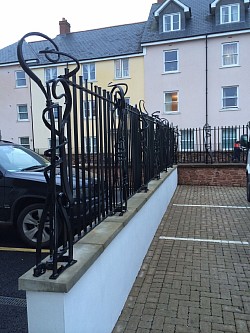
(188, 61)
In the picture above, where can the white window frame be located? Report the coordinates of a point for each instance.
(224, 98)
(20, 81)
(26, 145)
(173, 102)
(172, 23)
(229, 7)
(121, 68)
(21, 112)
(171, 62)
(89, 71)
(50, 73)
(187, 140)
(230, 56)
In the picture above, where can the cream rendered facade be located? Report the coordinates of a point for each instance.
(14, 99)
(199, 80)
(105, 74)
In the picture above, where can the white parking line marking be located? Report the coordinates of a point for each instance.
(20, 249)
(204, 240)
(212, 206)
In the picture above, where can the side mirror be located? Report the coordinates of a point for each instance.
(244, 141)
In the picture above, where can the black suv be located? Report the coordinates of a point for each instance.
(23, 191)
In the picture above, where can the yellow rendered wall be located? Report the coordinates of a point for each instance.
(104, 75)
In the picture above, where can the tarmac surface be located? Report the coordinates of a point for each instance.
(195, 276)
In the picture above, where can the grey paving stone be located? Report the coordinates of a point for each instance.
(189, 287)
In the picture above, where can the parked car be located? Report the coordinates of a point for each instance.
(23, 191)
(246, 144)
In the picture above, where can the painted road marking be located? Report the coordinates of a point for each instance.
(13, 301)
(204, 240)
(212, 206)
(20, 249)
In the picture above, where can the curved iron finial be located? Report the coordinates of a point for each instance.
(58, 199)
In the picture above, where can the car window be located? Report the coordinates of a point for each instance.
(17, 158)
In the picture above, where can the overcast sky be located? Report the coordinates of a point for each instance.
(19, 17)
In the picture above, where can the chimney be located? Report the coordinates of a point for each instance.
(160, 1)
(64, 27)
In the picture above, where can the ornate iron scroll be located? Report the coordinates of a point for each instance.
(59, 196)
(144, 144)
(60, 199)
(156, 144)
(121, 158)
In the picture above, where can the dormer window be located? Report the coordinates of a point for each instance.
(171, 22)
(230, 13)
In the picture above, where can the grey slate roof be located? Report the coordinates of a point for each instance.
(201, 22)
(85, 45)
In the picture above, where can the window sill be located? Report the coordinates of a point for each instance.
(173, 72)
(122, 78)
(172, 112)
(230, 66)
(19, 87)
(22, 120)
(229, 109)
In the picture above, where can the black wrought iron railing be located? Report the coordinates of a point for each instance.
(102, 152)
(211, 144)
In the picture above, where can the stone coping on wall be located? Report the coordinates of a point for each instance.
(91, 246)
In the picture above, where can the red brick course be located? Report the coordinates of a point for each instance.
(212, 174)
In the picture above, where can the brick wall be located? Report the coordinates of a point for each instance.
(212, 174)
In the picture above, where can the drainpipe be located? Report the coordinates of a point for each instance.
(206, 86)
(207, 128)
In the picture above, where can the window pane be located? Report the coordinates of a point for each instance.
(171, 63)
(20, 79)
(176, 22)
(171, 102)
(230, 54)
(234, 13)
(89, 71)
(85, 72)
(118, 68)
(125, 67)
(25, 141)
(50, 73)
(22, 112)
(230, 97)
(225, 14)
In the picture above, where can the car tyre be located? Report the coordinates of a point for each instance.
(248, 188)
(28, 223)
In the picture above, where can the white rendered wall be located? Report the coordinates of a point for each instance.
(94, 304)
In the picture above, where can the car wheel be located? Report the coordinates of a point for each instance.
(28, 224)
(248, 188)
